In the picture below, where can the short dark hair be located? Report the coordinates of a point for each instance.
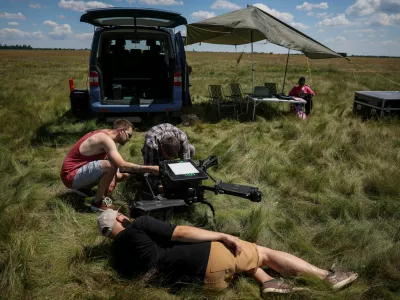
(302, 79)
(124, 124)
(171, 146)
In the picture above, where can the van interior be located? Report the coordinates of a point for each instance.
(135, 66)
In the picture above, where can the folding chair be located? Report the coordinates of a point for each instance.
(218, 98)
(237, 94)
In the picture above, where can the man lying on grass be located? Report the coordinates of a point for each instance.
(94, 159)
(213, 258)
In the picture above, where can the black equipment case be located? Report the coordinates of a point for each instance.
(80, 103)
(368, 104)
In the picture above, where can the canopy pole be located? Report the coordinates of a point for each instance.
(252, 59)
(284, 78)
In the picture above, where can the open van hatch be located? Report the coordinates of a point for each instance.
(116, 16)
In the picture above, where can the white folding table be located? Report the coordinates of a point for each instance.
(260, 99)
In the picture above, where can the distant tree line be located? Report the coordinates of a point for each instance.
(19, 47)
(29, 47)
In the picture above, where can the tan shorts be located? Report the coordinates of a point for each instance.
(222, 264)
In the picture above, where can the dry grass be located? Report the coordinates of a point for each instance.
(331, 184)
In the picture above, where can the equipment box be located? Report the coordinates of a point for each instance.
(368, 104)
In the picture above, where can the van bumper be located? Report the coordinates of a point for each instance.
(137, 108)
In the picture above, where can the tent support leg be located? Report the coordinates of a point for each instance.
(284, 78)
(252, 59)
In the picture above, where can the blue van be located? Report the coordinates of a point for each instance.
(137, 63)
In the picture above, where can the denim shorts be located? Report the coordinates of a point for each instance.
(88, 175)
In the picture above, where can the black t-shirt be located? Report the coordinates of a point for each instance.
(147, 244)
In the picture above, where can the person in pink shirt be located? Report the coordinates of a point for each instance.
(303, 91)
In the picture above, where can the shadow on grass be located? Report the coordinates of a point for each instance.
(98, 252)
(57, 131)
(78, 203)
(62, 130)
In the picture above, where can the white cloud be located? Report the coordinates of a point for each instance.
(286, 17)
(81, 5)
(309, 6)
(202, 14)
(224, 4)
(336, 39)
(310, 13)
(61, 16)
(323, 15)
(8, 16)
(369, 7)
(383, 19)
(339, 20)
(38, 35)
(83, 36)
(59, 31)
(50, 23)
(321, 30)
(366, 30)
(36, 5)
(390, 43)
(13, 23)
(16, 34)
(299, 25)
(161, 2)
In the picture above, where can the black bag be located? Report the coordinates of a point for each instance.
(283, 97)
(80, 105)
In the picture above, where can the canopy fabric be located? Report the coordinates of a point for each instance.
(252, 24)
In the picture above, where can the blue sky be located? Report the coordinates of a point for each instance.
(364, 27)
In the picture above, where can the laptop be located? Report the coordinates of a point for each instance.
(261, 92)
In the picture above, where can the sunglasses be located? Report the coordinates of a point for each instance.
(128, 134)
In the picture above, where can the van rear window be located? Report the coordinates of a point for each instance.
(154, 45)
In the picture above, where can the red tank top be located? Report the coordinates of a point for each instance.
(75, 159)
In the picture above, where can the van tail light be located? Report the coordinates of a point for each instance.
(177, 79)
(71, 85)
(94, 78)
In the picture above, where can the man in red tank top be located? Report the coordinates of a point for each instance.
(94, 159)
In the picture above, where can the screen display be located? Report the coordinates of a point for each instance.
(183, 168)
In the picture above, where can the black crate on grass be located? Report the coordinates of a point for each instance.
(369, 104)
(80, 103)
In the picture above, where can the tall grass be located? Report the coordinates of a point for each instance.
(331, 183)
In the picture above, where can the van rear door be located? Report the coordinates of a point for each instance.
(185, 75)
(116, 16)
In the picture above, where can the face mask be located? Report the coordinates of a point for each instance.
(125, 223)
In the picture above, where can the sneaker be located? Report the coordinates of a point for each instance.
(340, 279)
(103, 205)
(280, 287)
(83, 192)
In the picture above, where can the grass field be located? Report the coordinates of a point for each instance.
(331, 184)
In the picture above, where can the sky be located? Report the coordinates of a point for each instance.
(357, 27)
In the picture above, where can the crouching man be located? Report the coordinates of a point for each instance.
(94, 159)
(213, 258)
(164, 142)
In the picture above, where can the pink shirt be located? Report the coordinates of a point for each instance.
(297, 91)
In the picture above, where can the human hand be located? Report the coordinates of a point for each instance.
(233, 243)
